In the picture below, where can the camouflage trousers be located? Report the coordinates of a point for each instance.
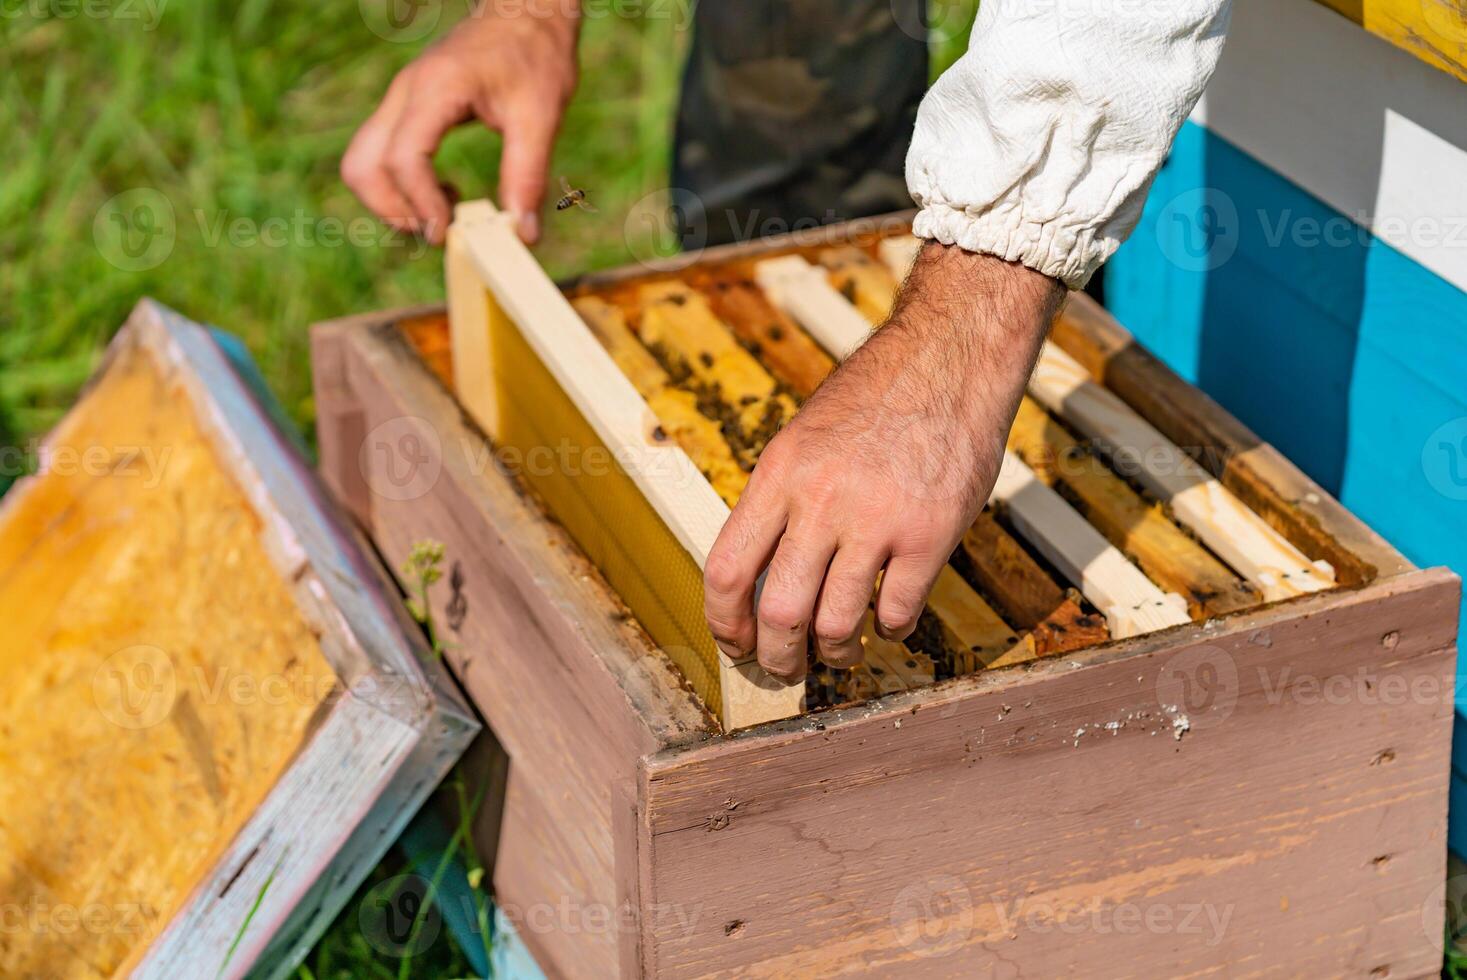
(795, 112)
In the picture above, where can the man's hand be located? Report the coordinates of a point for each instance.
(883, 469)
(514, 72)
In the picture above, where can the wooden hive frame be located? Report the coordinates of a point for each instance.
(392, 726)
(496, 289)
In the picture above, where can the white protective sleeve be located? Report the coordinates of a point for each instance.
(1040, 143)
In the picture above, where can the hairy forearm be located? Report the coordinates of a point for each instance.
(963, 337)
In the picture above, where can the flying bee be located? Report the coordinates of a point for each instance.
(573, 196)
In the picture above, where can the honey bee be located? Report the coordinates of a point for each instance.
(573, 196)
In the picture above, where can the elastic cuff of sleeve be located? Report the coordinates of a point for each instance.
(1062, 252)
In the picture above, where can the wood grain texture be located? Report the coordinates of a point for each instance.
(1107, 797)
(803, 292)
(1263, 556)
(542, 314)
(1025, 594)
(573, 688)
(811, 846)
(1433, 30)
(537, 339)
(1130, 602)
(1140, 529)
(788, 351)
(1274, 488)
(469, 312)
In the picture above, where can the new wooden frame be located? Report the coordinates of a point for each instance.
(392, 729)
(486, 259)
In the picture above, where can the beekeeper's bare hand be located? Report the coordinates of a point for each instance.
(883, 469)
(512, 66)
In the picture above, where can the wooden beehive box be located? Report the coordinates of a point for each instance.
(1149, 741)
(214, 715)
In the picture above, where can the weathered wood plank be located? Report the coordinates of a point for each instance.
(1170, 558)
(1223, 522)
(788, 351)
(1275, 873)
(1024, 592)
(542, 314)
(1262, 478)
(1129, 601)
(523, 305)
(533, 633)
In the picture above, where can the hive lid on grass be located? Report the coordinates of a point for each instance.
(214, 714)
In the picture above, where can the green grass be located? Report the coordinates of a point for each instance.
(236, 112)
